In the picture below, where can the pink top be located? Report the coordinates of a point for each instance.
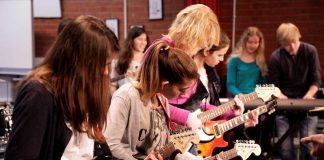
(180, 116)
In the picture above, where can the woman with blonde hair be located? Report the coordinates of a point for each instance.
(195, 27)
(247, 65)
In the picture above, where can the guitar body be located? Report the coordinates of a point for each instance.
(218, 128)
(205, 148)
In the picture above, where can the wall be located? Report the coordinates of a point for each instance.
(265, 14)
(137, 14)
(269, 14)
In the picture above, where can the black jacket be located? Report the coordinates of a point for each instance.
(214, 87)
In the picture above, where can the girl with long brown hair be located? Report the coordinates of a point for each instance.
(62, 105)
(142, 108)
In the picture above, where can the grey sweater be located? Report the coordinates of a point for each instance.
(125, 117)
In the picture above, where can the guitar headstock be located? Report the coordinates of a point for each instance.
(245, 148)
(183, 137)
(271, 106)
(267, 92)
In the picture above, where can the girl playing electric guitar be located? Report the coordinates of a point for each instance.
(138, 118)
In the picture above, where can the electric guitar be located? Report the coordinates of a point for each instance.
(242, 149)
(178, 142)
(218, 128)
(265, 93)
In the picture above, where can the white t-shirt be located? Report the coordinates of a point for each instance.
(130, 75)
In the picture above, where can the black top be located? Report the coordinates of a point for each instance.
(295, 74)
(39, 130)
(193, 103)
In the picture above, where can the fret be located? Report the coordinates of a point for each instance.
(221, 109)
(166, 150)
(234, 122)
(227, 154)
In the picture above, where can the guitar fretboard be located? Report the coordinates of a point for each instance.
(219, 110)
(224, 155)
(166, 150)
(228, 125)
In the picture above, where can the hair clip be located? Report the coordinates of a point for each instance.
(165, 48)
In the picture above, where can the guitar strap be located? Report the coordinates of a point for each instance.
(101, 150)
(163, 104)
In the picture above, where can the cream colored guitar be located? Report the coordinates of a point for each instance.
(178, 142)
(243, 149)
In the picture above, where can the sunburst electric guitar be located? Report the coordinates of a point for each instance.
(241, 148)
(266, 93)
(218, 128)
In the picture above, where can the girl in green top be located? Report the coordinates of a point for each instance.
(247, 65)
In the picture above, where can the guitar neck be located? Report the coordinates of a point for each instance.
(166, 151)
(228, 125)
(224, 155)
(217, 111)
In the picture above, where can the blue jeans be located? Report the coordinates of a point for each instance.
(306, 126)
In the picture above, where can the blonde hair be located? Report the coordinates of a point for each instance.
(195, 26)
(287, 33)
(241, 47)
(164, 63)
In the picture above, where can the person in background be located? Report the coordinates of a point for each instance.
(61, 107)
(142, 108)
(125, 68)
(247, 65)
(317, 140)
(295, 69)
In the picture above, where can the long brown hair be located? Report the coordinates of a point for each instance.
(126, 56)
(73, 71)
(163, 62)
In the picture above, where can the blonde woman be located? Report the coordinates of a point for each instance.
(247, 65)
(195, 28)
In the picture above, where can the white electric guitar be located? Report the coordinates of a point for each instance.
(178, 143)
(219, 127)
(243, 149)
(266, 93)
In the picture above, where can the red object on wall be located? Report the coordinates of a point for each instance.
(213, 4)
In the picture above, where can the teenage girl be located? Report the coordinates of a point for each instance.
(142, 108)
(247, 65)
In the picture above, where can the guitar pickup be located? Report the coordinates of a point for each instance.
(217, 131)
